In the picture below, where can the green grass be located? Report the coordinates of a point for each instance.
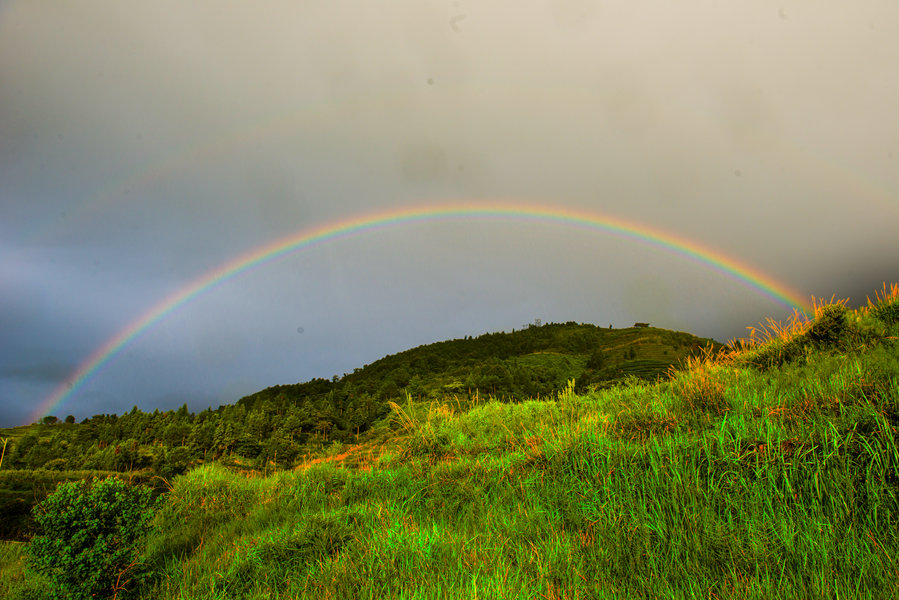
(15, 582)
(769, 472)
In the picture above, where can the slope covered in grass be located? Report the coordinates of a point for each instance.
(771, 471)
(279, 425)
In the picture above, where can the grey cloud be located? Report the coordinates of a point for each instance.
(47, 372)
(143, 145)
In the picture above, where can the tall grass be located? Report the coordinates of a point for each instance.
(771, 471)
(15, 581)
(768, 471)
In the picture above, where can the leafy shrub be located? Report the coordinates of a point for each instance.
(90, 538)
(887, 311)
(829, 327)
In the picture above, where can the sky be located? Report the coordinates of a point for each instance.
(165, 168)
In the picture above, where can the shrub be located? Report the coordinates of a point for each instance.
(887, 311)
(829, 327)
(90, 537)
(885, 307)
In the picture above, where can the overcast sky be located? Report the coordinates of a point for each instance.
(144, 144)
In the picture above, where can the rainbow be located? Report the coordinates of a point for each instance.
(465, 210)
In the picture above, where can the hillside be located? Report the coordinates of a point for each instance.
(529, 363)
(278, 426)
(768, 470)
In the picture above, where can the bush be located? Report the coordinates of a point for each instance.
(829, 327)
(90, 538)
(887, 311)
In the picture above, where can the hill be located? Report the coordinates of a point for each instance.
(277, 426)
(768, 470)
(529, 363)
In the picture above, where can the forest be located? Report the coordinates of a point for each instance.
(276, 427)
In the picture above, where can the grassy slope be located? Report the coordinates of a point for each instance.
(768, 473)
(11, 434)
(552, 355)
(742, 478)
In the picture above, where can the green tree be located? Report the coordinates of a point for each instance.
(279, 448)
(20, 449)
(597, 360)
(258, 425)
(202, 436)
(90, 538)
(183, 413)
(224, 438)
(173, 461)
(292, 423)
(100, 458)
(245, 445)
(176, 432)
(42, 452)
(128, 457)
(323, 428)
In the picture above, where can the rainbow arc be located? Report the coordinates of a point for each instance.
(731, 267)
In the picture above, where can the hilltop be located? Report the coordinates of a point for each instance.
(533, 362)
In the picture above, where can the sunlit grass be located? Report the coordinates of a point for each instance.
(729, 480)
(15, 582)
(885, 305)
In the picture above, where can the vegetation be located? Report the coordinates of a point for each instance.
(770, 470)
(278, 426)
(22, 489)
(91, 538)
